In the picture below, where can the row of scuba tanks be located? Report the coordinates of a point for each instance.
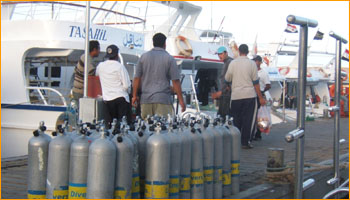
(195, 157)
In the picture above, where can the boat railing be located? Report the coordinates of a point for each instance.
(39, 90)
(342, 188)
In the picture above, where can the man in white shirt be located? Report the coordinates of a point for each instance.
(115, 83)
(245, 88)
(265, 85)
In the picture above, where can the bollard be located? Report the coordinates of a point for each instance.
(275, 160)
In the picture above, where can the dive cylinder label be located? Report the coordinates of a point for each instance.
(62, 193)
(197, 178)
(135, 188)
(185, 183)
(77, 190)
(218, 174)
(235, 167)
(174, 186)
(36, 194)
(209, 174)
(122, 193)
(156, 190)
(226, 178)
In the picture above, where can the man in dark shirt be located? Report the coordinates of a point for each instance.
(224, 95)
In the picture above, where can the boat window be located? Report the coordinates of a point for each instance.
(55, 72)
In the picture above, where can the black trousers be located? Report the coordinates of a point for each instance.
(224, 105)
(244, 116)
(258, 132)
(119, 107)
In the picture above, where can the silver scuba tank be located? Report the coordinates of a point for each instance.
(218, 159)
(208, 159)
(38, 147)
(58, 166)
(135, 194)
(157, 165)
(175, 160)
(78, 165)
(197, 178)
(185, 170)
(235, 155)
(124, 162)
(142, 135)
(101, 168)
(226, 166)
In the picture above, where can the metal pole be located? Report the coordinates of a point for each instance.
(301, 92)
(337, 81)
(86, 61)
(284, 100)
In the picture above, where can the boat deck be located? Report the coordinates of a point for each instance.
(318, 147)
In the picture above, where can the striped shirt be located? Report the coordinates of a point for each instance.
(78, 84)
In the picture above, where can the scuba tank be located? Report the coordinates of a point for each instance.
(218, 160)
(142, 134)
(135, 167)
(58, 166)
(235, 155)
(208, 159)
(38, 147)
(226, 166)
(197, 179)
(78, 165)
(157, 165)
(101, 170)
(175, 160)
(124, 162)
(185, 170)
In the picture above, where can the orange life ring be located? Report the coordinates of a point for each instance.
(282, 68)
(186, 52)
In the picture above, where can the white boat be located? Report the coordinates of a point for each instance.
(37, 62)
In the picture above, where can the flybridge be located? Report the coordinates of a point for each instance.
(94, 34)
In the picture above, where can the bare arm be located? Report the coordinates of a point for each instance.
(267, 87)
(178, 91)
(136, 87)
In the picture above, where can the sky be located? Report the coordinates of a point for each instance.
(267, 19)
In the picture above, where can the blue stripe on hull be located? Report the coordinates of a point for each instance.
(34, 107)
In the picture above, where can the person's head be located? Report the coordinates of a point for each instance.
(222, 53)
(243, 50)
(258, 61)
(94, 48)
(112, 52)
(159, 40)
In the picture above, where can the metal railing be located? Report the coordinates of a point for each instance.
(298, 134)
(39, 90)
(336, 109)
(342, 188)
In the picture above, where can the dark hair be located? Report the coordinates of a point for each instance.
(159, 40)
(94, 44)
(243, 49)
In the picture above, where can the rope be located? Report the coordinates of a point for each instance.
(287, 175)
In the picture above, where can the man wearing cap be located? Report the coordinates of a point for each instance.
(224, 94)
(115, 82)
(265, 85)
(243, 75)
(154, 71)
(78, 83)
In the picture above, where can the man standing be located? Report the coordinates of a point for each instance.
(78, 84)
(115, 82)
(154, 71)
(242, 72)
(224, 94)
(265, 85)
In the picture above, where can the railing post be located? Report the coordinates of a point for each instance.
(87, 37)
(301, 93)
(336, 108)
